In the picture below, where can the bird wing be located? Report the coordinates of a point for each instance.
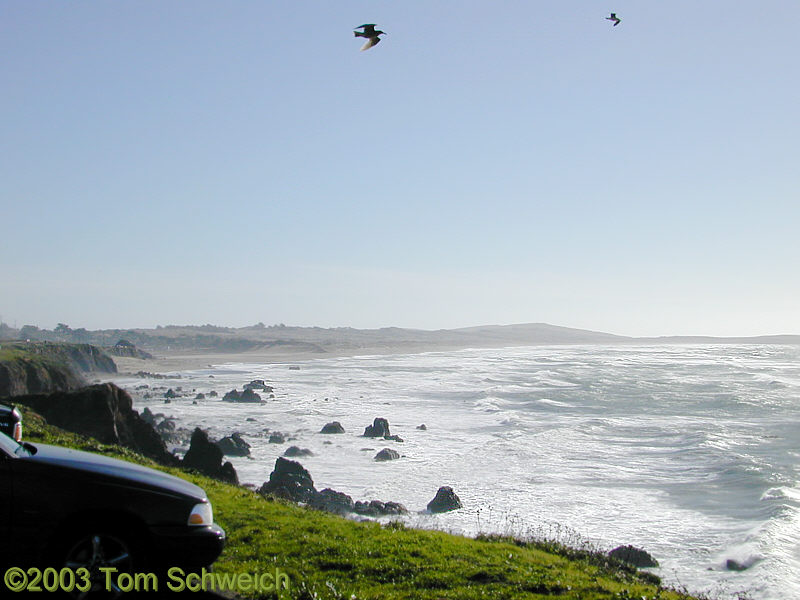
(369, 28)
(370, 43)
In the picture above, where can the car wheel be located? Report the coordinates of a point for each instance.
(97, 549)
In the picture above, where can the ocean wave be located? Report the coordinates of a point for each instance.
(689, 452)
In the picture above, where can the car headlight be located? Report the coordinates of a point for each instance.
(201, 514)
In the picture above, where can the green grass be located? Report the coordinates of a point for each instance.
(329, 557)
(34, 354)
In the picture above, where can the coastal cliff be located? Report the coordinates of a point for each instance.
(104, 412)
(43, 367)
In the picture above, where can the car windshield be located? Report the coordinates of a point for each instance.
(10, 446)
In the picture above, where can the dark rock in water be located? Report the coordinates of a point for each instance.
(171, 394)
(243, 396)
(234, 445)
(156, 375)
(393, 438)
(445, 500)
(258, 384)
(212, 394)
(633, 556)
(379, 428)
(387, 454)
(148, 416)
(422, 427)
(251, 420)
(277, 438)
(104, 412)
(289, 480)
(334, 427)
(297, 451)
(733, 565)
(394, 508)
(200, 396)
(167, 401)
(294, 368)
(376, 508)
(206, 457)
(166, 426)
(332, 501)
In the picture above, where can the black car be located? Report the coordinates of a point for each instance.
(66, 508)
(11, 422)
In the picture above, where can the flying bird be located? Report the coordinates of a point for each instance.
(614, 18)
(369, 32)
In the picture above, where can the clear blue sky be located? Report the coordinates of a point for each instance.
(488, 162)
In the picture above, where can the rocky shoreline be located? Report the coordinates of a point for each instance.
(105, 412)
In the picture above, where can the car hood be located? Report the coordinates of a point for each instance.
(131, 473)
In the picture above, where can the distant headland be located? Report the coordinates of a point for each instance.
(174, 347)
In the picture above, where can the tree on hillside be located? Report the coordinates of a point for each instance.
(29, 332)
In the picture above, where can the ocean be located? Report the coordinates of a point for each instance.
(691, 452)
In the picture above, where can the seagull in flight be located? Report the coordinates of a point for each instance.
(369, 32)
(614, 18)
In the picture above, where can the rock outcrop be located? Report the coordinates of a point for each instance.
(387, 454)
(444, 501)
(334, 427)
(633, 556)
(166, 427)
(243, 396)
(104, 412)
(124, 348)
(297, 451)
(735, 565)
(234, 445)
(290, 480)
(332, 501)
(376, 508)
(258, 384)
(379, 428)
(206, 457)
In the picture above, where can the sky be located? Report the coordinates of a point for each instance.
(192, 162)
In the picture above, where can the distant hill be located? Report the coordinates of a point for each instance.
(317, 340)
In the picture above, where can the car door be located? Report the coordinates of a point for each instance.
(6, 498)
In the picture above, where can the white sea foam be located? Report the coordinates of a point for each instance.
(690, 452)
